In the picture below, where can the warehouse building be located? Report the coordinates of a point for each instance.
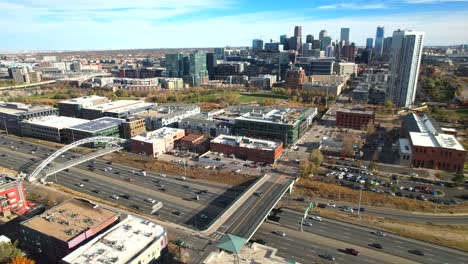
(205, 125)
(248, 148)
(117, 109)
(73, 107)
(195, 143)
(49, 128)
(133, 241)
(12, 197)
(11, 115)
(156, 142)
(104, 126)
(59, 230)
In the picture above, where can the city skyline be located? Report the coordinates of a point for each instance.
(53, 25)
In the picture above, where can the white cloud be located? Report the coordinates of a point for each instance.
(353, 6)
(433, 1)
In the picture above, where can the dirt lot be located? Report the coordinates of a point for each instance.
(196, 173)
(332, 191)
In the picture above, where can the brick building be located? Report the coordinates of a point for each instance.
(354, 118)
(132, 127)
(295, 78)
(195, 143)
(12, 196)
(248, 148)
(156, 142)
(59, 230)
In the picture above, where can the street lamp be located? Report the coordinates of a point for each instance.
(359, 205)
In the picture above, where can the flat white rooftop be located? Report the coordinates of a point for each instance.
(245, 142)
(435, 140)
(58, 122)
(120, 105)
(159, 134)
(119, 244)
(84, 99)
(404, 146)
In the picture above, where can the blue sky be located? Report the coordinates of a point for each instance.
(119, 24)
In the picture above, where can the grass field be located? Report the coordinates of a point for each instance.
(238, 97)
(462, 113)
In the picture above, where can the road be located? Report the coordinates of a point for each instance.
(178, 196)
(362, 236)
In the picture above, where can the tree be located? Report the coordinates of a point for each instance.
(459, 177)
(370, 129)
(388, 106)
(121, 93)
(316, 157)
(304, 168)
(22, 260)
(9, 251)
(371, 165)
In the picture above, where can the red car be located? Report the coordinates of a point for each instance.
(351, 251)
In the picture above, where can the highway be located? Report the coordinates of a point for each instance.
(177, 195)
(362, 236)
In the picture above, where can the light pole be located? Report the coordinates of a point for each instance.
(359, 205)
(4, 123)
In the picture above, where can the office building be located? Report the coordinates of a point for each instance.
(274, 47)
(344, 36)
(171, 83)
(387, 48)
(73, 107)
(12, 197)
(134, 240)
(167, 115)
(309, 39)
(348, 68)
(349, 52)
(50, 128)
(251, 149)
(354, 118)
(174, 65)
(379, 38)
(205, 125)
(321, 67)
(12, 113)
(325, 42)
(195, 143)
(295, 77)
(197, 69)
(369, 43)
(155, 143)
(407, 48)
(330, 51)
(257, 44)
(117, 109)
(132, 127)
(57, 232)
(323, 33)
(264, 82)
(321, 88)
(219, 53)
(104, 126)
(211, 63)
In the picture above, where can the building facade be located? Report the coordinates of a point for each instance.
(11, 115)
(155, 143)
(12, 196)
(379, 38)
(132, 127)
(73, 107)
(49, 128)
(354, 118)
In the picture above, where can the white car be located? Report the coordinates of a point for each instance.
(280, 233)
(163, 175)
(348, 210)
(149, 200)
(316, 218)
(308, 223)
(379, 233)
(331, 205)
(115, 197)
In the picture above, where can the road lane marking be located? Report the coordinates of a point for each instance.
(255, 205)
(347, 237)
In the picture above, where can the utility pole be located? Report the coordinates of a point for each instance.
(4, 123)
(359, 205)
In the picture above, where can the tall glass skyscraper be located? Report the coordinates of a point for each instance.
(174, 65)
(197, 69)
(379, 38)
(405, 59)
(344, 35)
(369, 43)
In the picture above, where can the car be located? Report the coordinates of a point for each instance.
(348, 210)
(328, 256)
(203, 216)
(308, 223)
(187, 187)
(134, 206)
(79, 185)
(182, 178)
(126, 196)
(237, 171)
(109, 162)
(162, 189)
(117, 172)
(376, 245)
(379, 233)
(279, 233)
(331, 205)
(115, 197)
(177, 213)
(258, 194)
(260, 241)
(300, 199)
(163, 175)
(96, 191)
(316, 218)
(351, 251)
(149, 200)
(85, 180)
(416, 252)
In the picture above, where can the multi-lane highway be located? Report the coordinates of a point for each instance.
(178, 196)
(362, 236)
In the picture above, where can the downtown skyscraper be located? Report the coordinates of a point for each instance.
(405, 60)
(379, 38)
(344, 36)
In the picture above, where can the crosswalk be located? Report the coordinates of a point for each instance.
(217, 235)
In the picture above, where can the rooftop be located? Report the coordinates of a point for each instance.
(355, 110)
(70, 219)
(245, 142)
(421, 123)
(5, 180)
(120, 244)
(435, 140)
(13, 108)
(55, 121)
(151, 136)
(120, 106)
(404, 146)
(98, 124)
(168, 110)
(85, 100)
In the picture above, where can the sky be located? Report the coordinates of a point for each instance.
(134, 24)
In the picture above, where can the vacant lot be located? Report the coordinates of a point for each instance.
(334, 192)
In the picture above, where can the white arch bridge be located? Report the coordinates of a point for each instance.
(42, 171)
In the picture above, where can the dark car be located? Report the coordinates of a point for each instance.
(85, 180)
(328, 256)
(96, 191)
(177, 213)
(126, 196)
(376, 245)
(300, 199)
(416, 252)
(351, 251)
(134, 206)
